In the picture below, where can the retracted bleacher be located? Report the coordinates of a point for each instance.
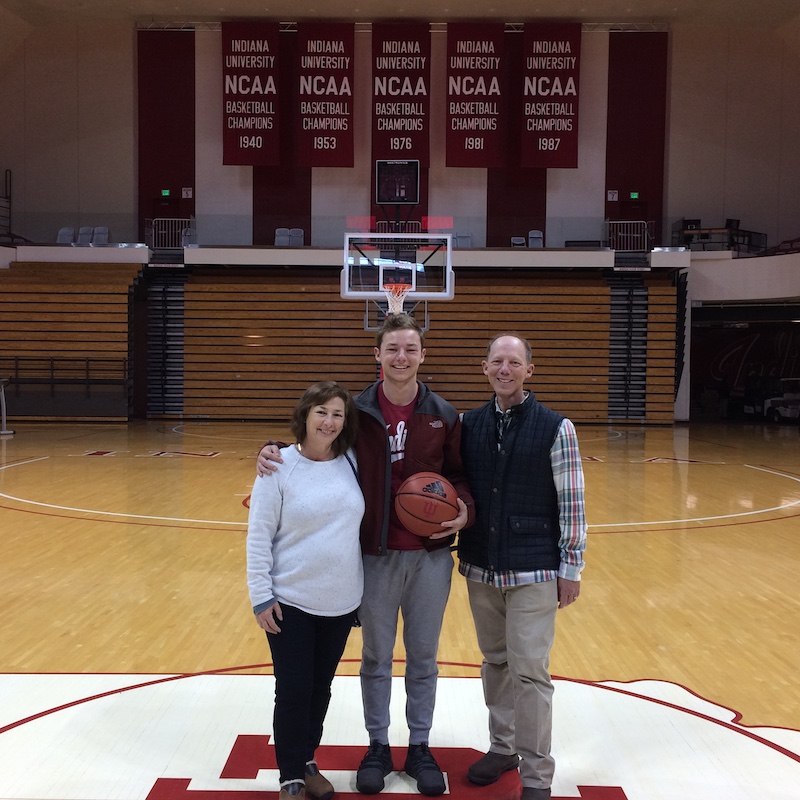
(255, 341)
(64, 339)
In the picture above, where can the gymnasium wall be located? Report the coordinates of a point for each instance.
(224, 194)
(166, 130)
(637, 82)
(576, 197)
(68, 133)
(734, 124)
(13, 31)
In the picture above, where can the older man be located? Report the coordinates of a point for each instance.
(522, 559)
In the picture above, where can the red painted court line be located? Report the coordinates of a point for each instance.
(695, 527)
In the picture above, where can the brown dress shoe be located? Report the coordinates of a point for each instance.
(293, 791)
(490, 767)
(317, 785)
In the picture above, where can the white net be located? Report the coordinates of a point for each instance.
(395, 295)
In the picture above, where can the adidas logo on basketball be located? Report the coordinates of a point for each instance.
(435, 488)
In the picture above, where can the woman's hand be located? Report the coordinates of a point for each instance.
(269, 618)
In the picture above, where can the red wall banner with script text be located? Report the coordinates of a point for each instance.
(401, 63)
(324, 124)
(475, 108)
(250, 93)
(550, 71)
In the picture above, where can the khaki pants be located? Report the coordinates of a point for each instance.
(515, 628)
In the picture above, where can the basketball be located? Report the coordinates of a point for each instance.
(424, 501)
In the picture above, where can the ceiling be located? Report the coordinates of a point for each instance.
(765, 14)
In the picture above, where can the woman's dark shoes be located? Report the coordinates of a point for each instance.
(293, 791)
(317, 785)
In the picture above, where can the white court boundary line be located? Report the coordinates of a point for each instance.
(716, 517)
(22, 463)
(712, 518)
(105, 513)
(182, 431)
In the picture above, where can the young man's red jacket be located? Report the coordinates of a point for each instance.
(433, 444)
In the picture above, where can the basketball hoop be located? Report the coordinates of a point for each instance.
(395, 295)
(388, 271)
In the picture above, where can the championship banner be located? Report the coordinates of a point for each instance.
(550, 71)
(475, 110)
(401, 66)
(250, 93)
(324, 124)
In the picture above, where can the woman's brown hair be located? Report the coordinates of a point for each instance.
(317, 395)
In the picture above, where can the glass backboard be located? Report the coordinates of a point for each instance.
(374, 262)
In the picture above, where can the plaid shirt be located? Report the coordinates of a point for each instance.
(565, 459)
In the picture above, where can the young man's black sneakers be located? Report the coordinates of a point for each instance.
(374, 767)
(421, 765)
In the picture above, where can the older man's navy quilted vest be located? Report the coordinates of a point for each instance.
(516, 502)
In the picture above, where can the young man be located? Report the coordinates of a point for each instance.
(522, 559)
(404, 428)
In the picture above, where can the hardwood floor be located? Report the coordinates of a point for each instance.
(123, 552)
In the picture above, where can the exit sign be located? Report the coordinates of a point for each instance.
(165, 192)
(634, 195)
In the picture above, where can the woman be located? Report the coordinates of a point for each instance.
(305, 575)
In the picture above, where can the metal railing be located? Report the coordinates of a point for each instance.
(4, 430)
(632, 236)
(5, 205)
(169, 233)
(56, 371)
(407, 226)
(5, 216)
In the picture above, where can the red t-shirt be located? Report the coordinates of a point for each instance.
(397, 418)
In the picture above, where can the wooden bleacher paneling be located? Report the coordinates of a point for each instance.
(60, 323)
(565, 320)
(65, 309)
(253, 343)
(661, 331)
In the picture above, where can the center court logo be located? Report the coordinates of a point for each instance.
(253, 753)
(207, 736)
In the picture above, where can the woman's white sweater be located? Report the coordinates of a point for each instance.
(303, 536)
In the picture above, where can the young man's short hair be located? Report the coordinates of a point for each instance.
(399, 322)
